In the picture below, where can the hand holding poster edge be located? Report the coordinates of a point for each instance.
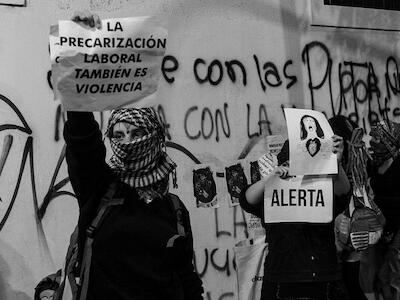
(87, 19)
(134, 79)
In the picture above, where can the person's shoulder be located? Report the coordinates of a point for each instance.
(174, 197)
(177, 202)
(396, 162)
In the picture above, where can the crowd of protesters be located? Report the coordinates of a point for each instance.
(356, 256)
(144, 249)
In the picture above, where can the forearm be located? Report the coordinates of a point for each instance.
(85, 153)
(80, 122)
(341, 183)
(255, 193)
(81, 132)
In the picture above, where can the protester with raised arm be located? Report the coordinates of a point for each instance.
(143, 248)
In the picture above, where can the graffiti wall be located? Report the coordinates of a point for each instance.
(230, 68)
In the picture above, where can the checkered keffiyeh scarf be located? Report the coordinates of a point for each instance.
(388, 133)
(143, 162)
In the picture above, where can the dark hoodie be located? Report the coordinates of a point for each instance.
(130, 259)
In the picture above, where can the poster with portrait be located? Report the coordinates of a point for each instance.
(298, 199)
(236, 181)
(267, 164)
(204, 186)
(310, 143)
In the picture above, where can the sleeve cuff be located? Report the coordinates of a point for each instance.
(256, 210)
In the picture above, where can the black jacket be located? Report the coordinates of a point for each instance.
(387, 194)
(130, 259)
(299, 252)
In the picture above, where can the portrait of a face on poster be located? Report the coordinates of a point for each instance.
(236, 181)
(310, 143)
(204, 186)
(112, 67)
(304, 199)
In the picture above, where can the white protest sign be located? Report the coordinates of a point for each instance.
(117, 66)
(274, 143)
(267, 163)
(54, 44)
(310, 143)
(54, 39)
(298, 199)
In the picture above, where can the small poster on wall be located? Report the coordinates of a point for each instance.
(310, 143)
(204, 186)
(236, 181)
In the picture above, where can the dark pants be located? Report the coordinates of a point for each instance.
(334, 290)
(351, 271)
(389, 273)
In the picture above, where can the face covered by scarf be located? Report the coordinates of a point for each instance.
(385, 141)
(141, 163)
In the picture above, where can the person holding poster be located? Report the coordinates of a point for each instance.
(301, 262)
(137, 253)
(310, 142)
(144, 247)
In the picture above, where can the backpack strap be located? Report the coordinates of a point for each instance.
(106, 203)
(178, 209)
(68, 269)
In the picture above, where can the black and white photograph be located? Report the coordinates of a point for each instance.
(199, 150)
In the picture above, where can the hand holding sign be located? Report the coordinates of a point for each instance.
(281, 171)
(86, 19)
